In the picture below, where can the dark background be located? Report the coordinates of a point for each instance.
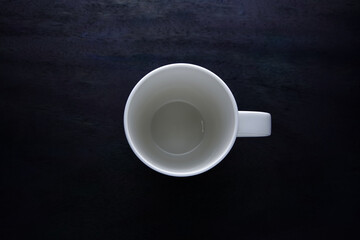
(67, 68)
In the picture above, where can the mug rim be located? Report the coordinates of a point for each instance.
(183, 173)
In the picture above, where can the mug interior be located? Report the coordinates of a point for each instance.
(180, 119)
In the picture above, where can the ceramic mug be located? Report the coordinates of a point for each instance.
(182, 120)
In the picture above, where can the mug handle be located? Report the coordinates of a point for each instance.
(253, 124)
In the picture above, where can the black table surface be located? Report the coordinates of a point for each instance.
(67, 68)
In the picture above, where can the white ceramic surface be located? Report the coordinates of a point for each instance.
(182, 120)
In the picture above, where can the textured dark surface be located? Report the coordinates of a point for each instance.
(67, 68)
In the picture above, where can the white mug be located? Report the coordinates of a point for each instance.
(182, 120)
